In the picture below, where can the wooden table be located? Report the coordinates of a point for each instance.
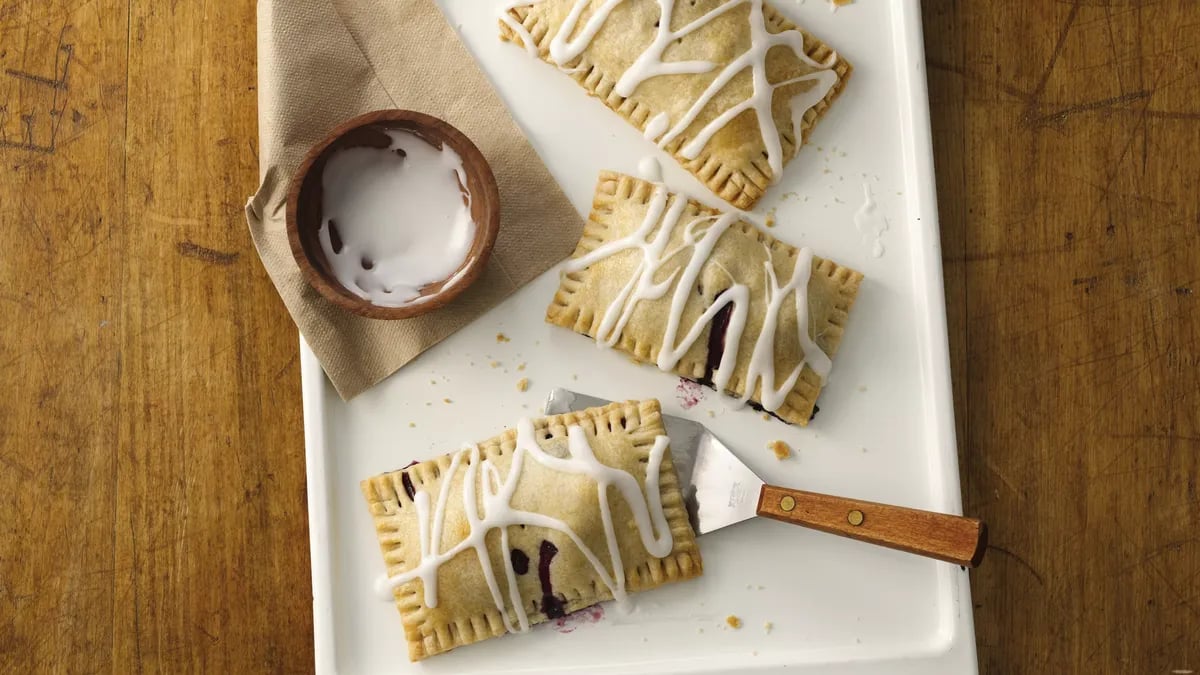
(152, 502)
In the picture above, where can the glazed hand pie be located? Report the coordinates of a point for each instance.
(731, 88)
(706, 296)
(560, 514)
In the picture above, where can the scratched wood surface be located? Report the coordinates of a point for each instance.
(152, 506)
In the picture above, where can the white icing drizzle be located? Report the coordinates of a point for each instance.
(564, 49)
(870, 223)
(652, 246)
(657, 126)
(498, 512)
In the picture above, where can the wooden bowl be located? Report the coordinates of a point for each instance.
(304, 205)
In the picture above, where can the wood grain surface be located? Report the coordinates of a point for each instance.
(152, 505)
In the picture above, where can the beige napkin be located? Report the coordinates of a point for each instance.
(321, 62)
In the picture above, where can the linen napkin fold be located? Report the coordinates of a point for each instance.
(321, 62)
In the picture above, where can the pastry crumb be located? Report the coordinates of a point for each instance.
(574, 377)
(428, 402)
(766, 417)
(494, 364)
(771, 218)
(862, 387)
(412, 424)
(523, 384)
(433, 382)
(781, 449)
(501, 337)
(733, 622)
(446, 400)
(761, 588)
(768, 626)
(521, 367)
(712, 413)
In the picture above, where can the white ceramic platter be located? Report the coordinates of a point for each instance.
(885, 431)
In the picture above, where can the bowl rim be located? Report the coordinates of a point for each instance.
(486, 228)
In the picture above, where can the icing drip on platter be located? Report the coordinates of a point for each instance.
(649, 169)
(700, 235)
(483, 484)
(572, 39)
(870, 222)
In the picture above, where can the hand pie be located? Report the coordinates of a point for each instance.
(706, 296)
(560, 514)
(731, 88)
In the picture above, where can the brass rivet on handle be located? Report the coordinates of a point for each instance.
(787, 503)
(855, 517)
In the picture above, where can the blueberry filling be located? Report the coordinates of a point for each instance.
(717, 331)
(553, 606)
(520, 561)
(408, 485)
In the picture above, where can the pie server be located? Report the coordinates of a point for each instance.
(720, 490)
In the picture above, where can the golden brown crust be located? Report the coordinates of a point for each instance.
(618, 208)
(621, 436)
(733, 163)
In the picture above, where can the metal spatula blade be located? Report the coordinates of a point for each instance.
(717, 487)
(720, 490)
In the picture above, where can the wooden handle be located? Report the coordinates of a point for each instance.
(954, 539)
